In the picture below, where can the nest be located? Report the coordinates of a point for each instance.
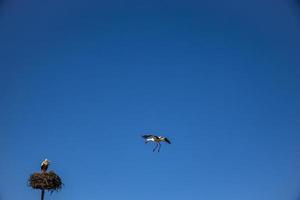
(45, 181)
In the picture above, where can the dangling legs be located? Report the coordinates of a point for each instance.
(156, 145)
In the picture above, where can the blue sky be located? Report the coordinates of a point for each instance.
(80, 81)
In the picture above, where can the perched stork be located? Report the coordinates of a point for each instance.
(156, 139)
(44, 165)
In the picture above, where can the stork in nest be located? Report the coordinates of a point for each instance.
(44, 165)
(157, 140)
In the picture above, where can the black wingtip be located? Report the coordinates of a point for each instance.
(147, 136)
(144, 136)
(167, 140)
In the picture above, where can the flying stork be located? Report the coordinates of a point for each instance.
(156, 139)
(44, 165)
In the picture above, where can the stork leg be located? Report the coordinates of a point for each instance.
(156, 145)
(159, 145)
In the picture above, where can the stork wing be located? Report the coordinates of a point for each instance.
(148, 136)
(167, 140)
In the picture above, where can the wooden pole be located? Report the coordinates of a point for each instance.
(42, 195)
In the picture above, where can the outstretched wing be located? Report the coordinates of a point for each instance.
(167, 140)
(148, 136)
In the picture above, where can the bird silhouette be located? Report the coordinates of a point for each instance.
(157, 140)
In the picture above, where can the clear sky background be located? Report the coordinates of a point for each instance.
(81, 80)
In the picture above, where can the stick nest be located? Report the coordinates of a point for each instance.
(45, 181)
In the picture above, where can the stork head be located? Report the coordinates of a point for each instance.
(46, 161)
